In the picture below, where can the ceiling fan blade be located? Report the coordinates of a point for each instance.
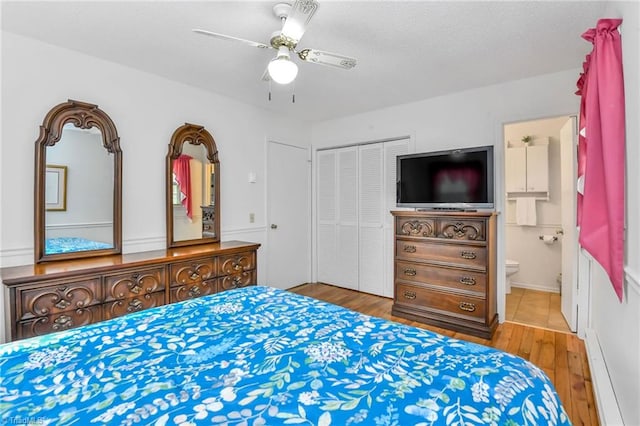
(301, 13)
(230, 38)
(327, 58)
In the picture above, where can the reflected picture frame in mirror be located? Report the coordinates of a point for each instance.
(88, 117)
(192, 188)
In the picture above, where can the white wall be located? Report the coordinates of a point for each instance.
(540, 264)
(470, 118)
(146, 109)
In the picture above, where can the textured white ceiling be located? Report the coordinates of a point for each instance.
(406, 50)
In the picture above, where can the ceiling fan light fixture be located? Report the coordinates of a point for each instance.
(282, 69)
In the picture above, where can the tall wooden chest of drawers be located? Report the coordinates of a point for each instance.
(445, 270)
(56, 296)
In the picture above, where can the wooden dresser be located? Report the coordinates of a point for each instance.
(445, 270)
(56, 296)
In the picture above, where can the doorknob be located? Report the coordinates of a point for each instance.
(274, 226)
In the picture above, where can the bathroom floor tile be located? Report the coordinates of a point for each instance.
(536, 308)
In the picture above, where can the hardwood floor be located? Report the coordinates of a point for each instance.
(536, 308)
(562, 356)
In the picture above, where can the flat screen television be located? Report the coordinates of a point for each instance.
(457, 179)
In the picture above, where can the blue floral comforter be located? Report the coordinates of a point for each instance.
(262, 356)
(72, 244)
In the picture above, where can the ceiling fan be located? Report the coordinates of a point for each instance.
(295, 19)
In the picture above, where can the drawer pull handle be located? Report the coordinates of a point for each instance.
(410, 249)
(466, 306)
(410, 295)
(467, 255)
(410, 272)
(194, 291)
(134, 305)
(467, 281)
(62, 322)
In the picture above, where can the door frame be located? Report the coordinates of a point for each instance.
(500, 197)
(268, 237)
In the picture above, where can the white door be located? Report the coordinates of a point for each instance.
(326, 208)
(346, 265)
(391, 150)
(288, 215)
(568, 168)
(371, 221)
(538, 168)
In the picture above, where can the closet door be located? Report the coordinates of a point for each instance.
(391, 150)
(327, 217)
(347, 232)
(371, 218)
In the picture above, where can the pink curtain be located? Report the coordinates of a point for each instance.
(601, 151)
(182, 171)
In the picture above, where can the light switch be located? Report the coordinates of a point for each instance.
(252, 177)
(252, 217)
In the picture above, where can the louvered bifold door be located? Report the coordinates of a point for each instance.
(391, 150)
(327, 247)
(371, 218)
(347, 188)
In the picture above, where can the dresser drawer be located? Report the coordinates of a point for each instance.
(242, 279)
(58, 322)
(193, 290)
(192, 271)
(457, 279)
(462, 229)
(416, 227)
(445, 303)
(134, 283)
(118, 308)
(235, 263)
(55, 297)
(466, 256)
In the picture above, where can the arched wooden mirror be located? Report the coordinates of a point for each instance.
(193, 187)
(78, 184)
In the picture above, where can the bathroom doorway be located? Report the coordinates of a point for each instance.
(540, 233)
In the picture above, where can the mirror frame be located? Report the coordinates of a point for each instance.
(85, 116)
(195, 135)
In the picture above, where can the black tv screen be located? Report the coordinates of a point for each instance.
(454, 179)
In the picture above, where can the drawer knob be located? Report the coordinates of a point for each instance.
(237, 266)
(194, 291)
(134, 305)
(410, 295)
(62, 322)
(410, 272)
(466, 306)
(410, 249)
(467, 255)
(467, 281)
(194, 275)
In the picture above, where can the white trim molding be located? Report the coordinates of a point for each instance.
(240, 231)
(16, 257)
(79, 225)
(135, 245)
(606, 403)
(633, 279)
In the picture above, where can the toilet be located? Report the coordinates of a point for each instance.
(511, 267)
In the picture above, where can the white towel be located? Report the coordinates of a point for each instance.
(526, 211)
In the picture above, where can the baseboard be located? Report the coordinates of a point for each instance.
(534, 287)
(606, 404)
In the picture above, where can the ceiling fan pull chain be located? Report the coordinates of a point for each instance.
(293, 98)
(269, 90)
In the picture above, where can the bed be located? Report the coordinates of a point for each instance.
(263, 356)
(73, 244)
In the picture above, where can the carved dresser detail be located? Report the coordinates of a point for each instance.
(50, 297)
(445, 270)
